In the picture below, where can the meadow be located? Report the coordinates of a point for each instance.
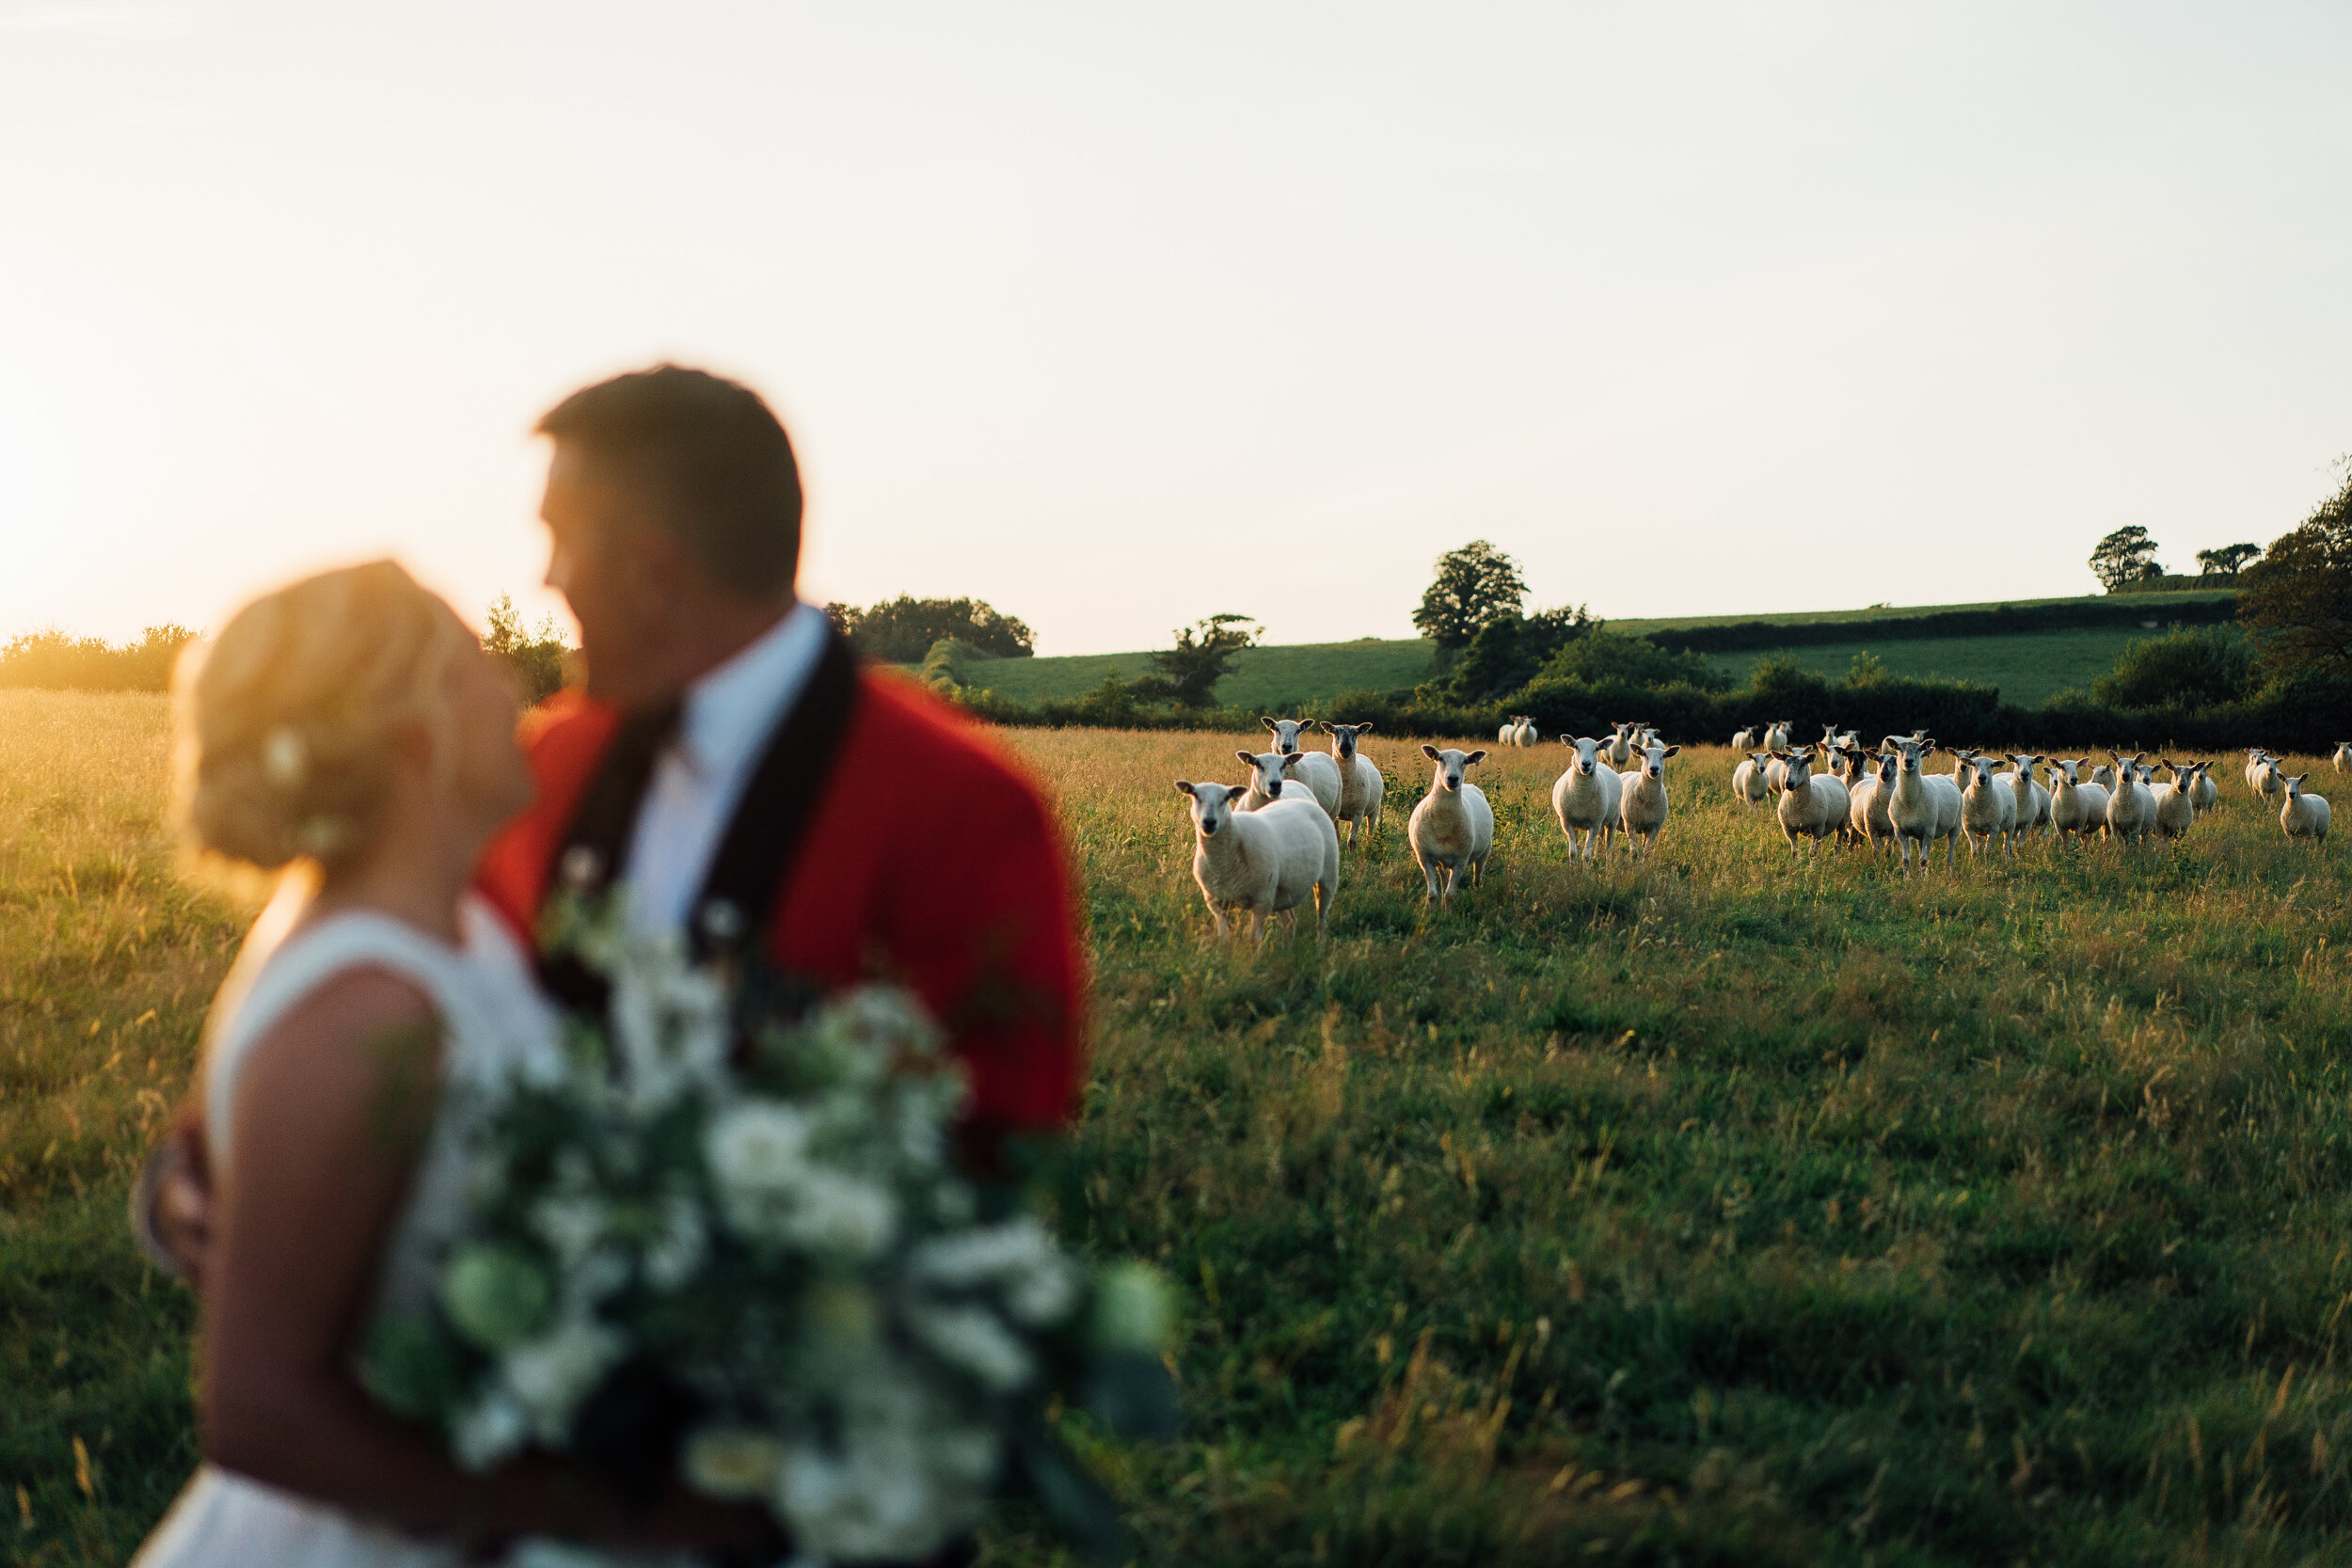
(2027, 667)
(1724, 1208)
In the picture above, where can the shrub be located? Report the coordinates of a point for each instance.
(902, 630)
(2193, 666)
(540, 659)
(1604, 656)
(58, 660)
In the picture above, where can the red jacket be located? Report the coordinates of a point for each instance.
(927, 858)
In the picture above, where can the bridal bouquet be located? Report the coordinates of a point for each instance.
(723, 1237)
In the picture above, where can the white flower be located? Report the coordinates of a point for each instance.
(488, 1431)
(1044, 1295)
(552, 1375)
(906, 1479)
(571, 1225)
(832, 1212)
(732, 1462)
(971, 1336)
(676, 1252)
(756, 1150)
(669, 1024)
(967, 1257)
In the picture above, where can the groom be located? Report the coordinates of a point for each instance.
(729, 758)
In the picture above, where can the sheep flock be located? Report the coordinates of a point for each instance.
(1263, 851)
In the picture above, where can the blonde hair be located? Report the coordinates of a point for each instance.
(285, 721)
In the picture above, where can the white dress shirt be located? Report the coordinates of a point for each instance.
(725, 722)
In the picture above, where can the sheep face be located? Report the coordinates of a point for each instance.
(1211, 805)
(2294, 784)
(1800, 768)
(1267, 769)
(1347, 736)
(1285, 732)
(1654, 760)
(1450, 765)
(1587, 755)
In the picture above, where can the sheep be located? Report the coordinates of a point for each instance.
(2103, 775)
(2077, 807)
(1844, 740)
(2304, 816)
(2342, 758)
(1747, 780)
(1509, 734)
(2261, 777)
(1744, 740)
(1453, 829)
(1776, 772)
(1642, 811)
(1922, 807)
(1523, 731)
(1271, 778)
(2176, 809)
(1318, 773)
(2205, 793)
(2033, 799)
(2132, 808)
(1987, 812)
(1776, 735)
(1813, 807)
(1618, 748)
(1586, 797)
(1868, 784)
(1263, 863)
(1361, 782)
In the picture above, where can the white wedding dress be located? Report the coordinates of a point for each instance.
(492, 1014)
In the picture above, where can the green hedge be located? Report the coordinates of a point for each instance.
(2002, 620)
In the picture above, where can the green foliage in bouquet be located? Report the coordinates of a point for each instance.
(718, 1234)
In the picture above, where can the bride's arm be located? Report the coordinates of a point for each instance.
(330, 1111)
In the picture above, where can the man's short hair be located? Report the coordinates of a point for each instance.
(713, 457)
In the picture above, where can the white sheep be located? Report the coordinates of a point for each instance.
(2077, 806)
(2261, 775)
(1869, 783)
(2342, 758)
(1811, 807)
(1263, 863)
(2033, 798)
(1271, 779)
(2103, 775)
(1585, 799)
(1922, 807)
(1318, 773)
(1988, 811)
(1776, 735)
(2304, 816)
(1521, 730)
(1618, 749)
(2205, 793)
(1509, 734)
(1744, 740)
(2132, 808)
(1361, 784)
(2176, 807)
(1453, 829)
(1642, 811)
(1747, 780)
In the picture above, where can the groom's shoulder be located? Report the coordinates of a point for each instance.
(928, 747)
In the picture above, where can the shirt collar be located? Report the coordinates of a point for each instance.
(730, 710)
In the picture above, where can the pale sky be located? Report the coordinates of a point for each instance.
(1120, 315)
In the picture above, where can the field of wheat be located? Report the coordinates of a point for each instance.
(1726, 1207)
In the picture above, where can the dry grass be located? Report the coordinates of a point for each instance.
(1722, 1208)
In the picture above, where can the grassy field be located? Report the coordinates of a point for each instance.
(1724, 1208)
(1892, 612)
(1279, 677)
(2026, 668)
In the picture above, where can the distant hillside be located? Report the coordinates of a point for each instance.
(2029, 648)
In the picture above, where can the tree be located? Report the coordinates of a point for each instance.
(2228, 561)
(2127, 555)
(1475, 584)
(1189, 672)
(1510, 649)
(2298, 597)
(902, 630)
(537, 657)
(2188, 666)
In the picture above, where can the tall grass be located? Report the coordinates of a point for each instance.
(1728, 1206)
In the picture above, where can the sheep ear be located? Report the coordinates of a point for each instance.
(1364, 728)
(1479, 755)
(1670, 752)
(1183, 786)
(1430, 752)
(1269, 724)
(1247, 760)
(1293, 760)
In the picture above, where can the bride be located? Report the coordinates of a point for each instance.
(348, 733)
